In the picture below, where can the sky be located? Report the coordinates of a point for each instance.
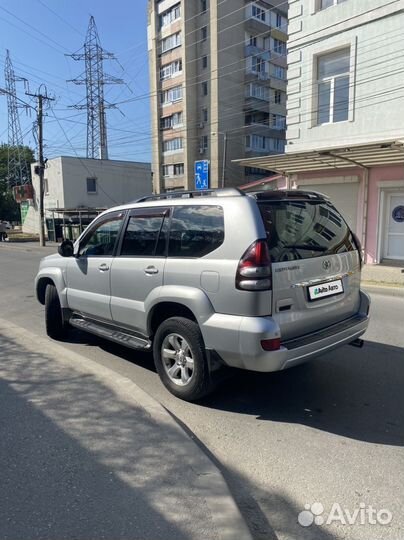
(39, 33)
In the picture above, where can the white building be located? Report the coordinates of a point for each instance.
(345, 115)
(80, 183)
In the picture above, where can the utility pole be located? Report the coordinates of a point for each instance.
(40, 168)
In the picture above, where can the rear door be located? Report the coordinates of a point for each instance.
(315, 265)
(138, 268)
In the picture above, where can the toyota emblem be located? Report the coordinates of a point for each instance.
(326, 264)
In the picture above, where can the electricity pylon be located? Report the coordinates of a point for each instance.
(95, 79)
(18, 169)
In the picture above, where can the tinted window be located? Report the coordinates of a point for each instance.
(195, 230)
(304, 229)
(101, 240)
(143, 235)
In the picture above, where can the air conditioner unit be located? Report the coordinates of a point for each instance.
(201, 150)
(201, 125)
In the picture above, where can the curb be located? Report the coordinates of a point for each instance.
(382, 285)
(225, 514)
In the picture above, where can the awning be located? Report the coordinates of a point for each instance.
(364, 155)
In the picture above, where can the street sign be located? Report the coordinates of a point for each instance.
(202, 174)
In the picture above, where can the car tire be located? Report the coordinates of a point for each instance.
(55, 326)
(180, 359)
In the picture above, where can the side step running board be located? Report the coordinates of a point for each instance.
(128, 340)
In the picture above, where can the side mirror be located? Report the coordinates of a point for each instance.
(66, 248)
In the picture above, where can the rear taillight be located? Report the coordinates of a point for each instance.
(271, 344)
(254, 268)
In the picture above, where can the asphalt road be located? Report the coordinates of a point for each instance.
(331, 431)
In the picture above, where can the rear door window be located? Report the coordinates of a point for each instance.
(195, 230)
(301, 229)
(146, 234)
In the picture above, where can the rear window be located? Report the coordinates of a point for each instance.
(304, 229)
(195, 230)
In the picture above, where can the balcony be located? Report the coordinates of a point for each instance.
(252, 50)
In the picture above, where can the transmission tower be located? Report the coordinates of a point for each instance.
(18, 169)
(95, 79)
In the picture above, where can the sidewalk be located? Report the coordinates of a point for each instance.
(383, 274)
(87, 454)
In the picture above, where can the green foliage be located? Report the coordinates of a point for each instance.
(9, 209)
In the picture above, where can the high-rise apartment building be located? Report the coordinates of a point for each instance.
(218, 87)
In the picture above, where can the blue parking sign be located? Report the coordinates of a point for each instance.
(202, 174)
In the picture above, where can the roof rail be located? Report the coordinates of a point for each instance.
(224, 192)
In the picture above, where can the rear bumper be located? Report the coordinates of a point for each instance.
(237, 340)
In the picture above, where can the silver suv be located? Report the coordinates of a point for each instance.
(262, 282)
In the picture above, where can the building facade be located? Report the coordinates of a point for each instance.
(78, 184)
(218, 86)
(345, 114)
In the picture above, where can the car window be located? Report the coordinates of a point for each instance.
(195, 230)
(145, 235)
(304, 229)
(101, 241)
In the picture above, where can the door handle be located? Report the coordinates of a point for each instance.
(151, 270)
(103, 267)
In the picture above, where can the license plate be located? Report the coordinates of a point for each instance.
(330, 288)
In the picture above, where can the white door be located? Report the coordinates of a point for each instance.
(394, 239)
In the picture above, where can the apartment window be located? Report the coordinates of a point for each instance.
(258, 91)
(255, 171)
(279, 72)
(205, 88)
(204, 6)
(258, 13)
(278, 21)
(277, 145)
(171, 70)
(171, 95)
(279, 46)
(173, 121)
(204, 62)
(177, 169)
(278, 97)
(205, 114)
(258, 64)
(171, 42)
(170, 15)
(173, 145)
(204, 142)
(278, 121)
(91, 185)
(204, 33)
(257, 142)
(323, 4)
(333, 87)
(253, 41)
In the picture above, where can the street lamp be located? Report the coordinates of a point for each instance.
(224, 133)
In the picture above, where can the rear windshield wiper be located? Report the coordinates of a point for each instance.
(306, 246)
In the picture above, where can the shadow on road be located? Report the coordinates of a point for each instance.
(357, 393)
(79, 461)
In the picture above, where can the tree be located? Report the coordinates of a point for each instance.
(9, 209)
